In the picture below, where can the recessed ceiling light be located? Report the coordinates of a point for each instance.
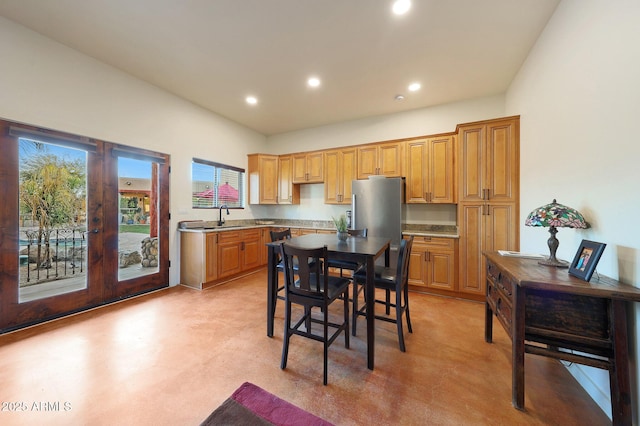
(399, 98)
(400, 7)
(251, 100)
(313, 82)
(414, 87)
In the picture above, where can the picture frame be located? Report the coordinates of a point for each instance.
(586, 259)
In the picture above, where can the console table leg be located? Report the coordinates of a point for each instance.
(517, 348)
(619, 372)
(488, 323)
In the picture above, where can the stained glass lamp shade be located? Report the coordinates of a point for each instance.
(552, 216)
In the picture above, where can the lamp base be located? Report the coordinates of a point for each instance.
(556, 263)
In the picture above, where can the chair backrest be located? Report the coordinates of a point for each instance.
(280, 235)
(402, 269)
(305, 270)
(357, 232)
(285, 234)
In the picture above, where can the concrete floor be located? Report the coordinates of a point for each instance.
(171, 357)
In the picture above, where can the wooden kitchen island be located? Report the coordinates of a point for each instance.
(545, 311)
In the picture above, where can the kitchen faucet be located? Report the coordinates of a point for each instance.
(220, 220)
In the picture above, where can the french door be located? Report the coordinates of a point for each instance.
(63, 244)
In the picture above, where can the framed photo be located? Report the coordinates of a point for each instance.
(586, 259)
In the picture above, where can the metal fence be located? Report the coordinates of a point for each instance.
(50, 255)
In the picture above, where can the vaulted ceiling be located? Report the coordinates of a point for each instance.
(215, 53)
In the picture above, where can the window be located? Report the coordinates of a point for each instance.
(215, 185)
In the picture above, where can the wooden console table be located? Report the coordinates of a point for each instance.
(545, 311)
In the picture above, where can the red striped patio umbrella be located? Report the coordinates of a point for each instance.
(227, 192)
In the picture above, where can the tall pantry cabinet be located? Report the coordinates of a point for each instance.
(488, 196)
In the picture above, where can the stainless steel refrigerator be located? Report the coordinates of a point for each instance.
(378, 205)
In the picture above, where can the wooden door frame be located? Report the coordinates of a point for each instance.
(102, 248)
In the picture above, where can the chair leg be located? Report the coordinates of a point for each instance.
(406, 309)
(346, 318)
(388, 302)
(354, 316)
(287, 335)
(307, 322)
(399, 321)
(326, 347)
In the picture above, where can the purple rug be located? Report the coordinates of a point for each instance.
(252, 405)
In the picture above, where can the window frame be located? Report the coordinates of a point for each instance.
(218, 168)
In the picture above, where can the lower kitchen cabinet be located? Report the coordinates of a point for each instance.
(206, 258)
(198, 254)
(238, 251)
(433, 265)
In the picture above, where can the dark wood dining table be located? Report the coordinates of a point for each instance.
(355, 249)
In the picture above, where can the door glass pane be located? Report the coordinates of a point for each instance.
(137, 218)
(52, 219)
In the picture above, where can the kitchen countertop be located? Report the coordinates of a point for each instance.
(425, 230)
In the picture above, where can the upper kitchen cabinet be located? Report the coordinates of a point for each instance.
(489, 160)
(430, 170)
(340, 169)
(263, 179)
(308, 167)
(380, 159)
(288, 193)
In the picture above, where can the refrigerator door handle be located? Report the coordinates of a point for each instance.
(353, 212)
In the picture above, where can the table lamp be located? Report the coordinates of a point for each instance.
(554, 216)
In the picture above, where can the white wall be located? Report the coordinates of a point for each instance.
(578, 95)
(46, 84)
(420, 122)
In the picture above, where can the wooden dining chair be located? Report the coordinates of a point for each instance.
(311, 286)
(285, 234)
(390, 279)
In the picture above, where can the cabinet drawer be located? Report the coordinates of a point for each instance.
(506, 284)
(434, 242)
(503, 312)
(493, 272)
(251, 235)
(500, 305)
(228, 236)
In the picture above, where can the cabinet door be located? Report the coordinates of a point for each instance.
(315, 167)
(440, 171)
(211, 256)
(441, 270)
(390, 159)
(332, 179)
(229, 253)
(299, 168)
(417, 265)
(347, 174)
(501, 231)
(502, 162)
(471, 163)
(367, 161)
(287, 192)
(263, 179)
(340, 170)
(416, 165)
(308, 167)
(251, 249)
(472, 234)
